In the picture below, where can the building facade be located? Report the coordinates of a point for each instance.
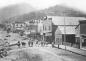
(45, 29)
(81, 34)
(17, 26)
(70, 25)
(65, 36)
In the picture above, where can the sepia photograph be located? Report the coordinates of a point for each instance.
(42, 30)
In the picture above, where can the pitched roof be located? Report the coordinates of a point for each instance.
(68, 29)
(59, 20)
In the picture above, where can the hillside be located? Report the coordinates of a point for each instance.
(57, 10)
(15, 10)
(60, 10)
(25, 17)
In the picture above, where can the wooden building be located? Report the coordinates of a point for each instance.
(65, 36)
(81, 34)
(58, 28)
(45, 29)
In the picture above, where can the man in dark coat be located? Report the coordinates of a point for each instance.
(18, 44)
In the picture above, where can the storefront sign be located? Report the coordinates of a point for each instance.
(48, 34)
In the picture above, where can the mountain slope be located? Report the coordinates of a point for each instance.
(60, 10)
(57, 10)
(14, 10)
(26, 17)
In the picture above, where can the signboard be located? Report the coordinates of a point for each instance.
(48, 34)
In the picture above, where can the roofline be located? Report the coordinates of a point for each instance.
(77, 26)
(83, 34)
(66, 16)
(69, 34)
(66, 25)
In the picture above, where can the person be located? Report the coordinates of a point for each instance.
(52, 44)
(19, 44)
(29, 43)
(6, 44)
(23, 43)
(42, 44)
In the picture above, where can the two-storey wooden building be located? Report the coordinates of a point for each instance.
(81, 33)
(45, 29)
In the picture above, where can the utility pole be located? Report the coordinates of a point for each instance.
(43, 37)
(64, 30)
(80, 43)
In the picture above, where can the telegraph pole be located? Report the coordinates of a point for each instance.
(64, 31)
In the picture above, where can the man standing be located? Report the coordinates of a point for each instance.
(19, 44)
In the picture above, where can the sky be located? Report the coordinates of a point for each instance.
(42, 4)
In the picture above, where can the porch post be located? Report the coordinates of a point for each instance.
(80, 42)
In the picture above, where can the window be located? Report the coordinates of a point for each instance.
(43, 28)
(49, 27)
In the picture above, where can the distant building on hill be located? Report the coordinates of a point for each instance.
(17, 26)
(32, 26)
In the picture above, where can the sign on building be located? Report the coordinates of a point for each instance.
(48, 34)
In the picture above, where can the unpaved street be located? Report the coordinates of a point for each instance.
(42, 54)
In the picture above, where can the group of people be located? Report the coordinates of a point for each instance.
(21, 43)
(32, 43)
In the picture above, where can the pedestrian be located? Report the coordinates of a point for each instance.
(29, 43)
(42, 44)
(58, 46)
(23, 43)
(18, 44)
(52, 44)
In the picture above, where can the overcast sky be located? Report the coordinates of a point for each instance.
(41, 4)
